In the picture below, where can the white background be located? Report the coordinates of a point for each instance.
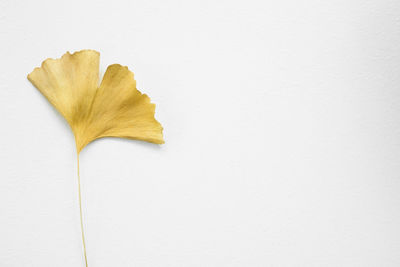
(282, 129)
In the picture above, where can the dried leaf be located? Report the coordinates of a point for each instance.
(113, 109)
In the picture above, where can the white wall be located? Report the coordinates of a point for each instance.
(282, 136)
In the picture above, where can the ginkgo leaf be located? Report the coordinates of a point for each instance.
(113, 109)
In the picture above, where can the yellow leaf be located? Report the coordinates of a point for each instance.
(113, 109)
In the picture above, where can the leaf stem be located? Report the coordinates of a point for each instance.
(80, 213)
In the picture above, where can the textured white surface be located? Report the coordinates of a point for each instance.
(281, 124)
